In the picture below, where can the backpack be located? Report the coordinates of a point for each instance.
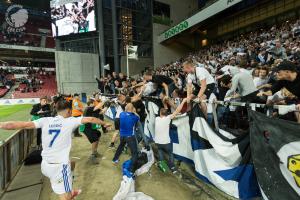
(33, 158)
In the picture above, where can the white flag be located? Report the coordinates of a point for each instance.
(107, 67)
(132, 52)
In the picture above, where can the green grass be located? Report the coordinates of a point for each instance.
(13, 113)
(6, 111)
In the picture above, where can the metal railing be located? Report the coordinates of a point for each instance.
(13, 151)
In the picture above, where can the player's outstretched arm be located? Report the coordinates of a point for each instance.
(15, 125)
(93, 120)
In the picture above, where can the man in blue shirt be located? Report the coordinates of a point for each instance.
(128, 120)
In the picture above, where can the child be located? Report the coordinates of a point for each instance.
(162, 137)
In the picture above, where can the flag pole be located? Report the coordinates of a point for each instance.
(127, 61)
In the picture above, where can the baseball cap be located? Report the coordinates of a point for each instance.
(286, 65)
(76, 95)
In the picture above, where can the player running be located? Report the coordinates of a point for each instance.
(56, 143)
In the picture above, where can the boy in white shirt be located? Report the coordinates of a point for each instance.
(162, 137)
(56, 143)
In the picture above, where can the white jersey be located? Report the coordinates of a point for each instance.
(57, 137)
(200, 74)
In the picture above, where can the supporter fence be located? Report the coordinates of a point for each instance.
(13, 151)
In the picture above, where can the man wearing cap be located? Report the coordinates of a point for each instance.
(287, 76)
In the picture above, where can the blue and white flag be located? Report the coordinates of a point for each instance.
(219, 158)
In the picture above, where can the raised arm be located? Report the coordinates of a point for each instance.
(179, 108)
(93, 120)
(166, 88)
(139, 84)
(99, 106)
(171, 103)
(16, 125)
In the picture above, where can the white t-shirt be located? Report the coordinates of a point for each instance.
(202, 74)
(226, 69)
(162, 128)
(57, 137)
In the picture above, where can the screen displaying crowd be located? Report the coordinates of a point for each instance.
(72, 18)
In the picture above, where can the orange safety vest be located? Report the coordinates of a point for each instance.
(75, 111)
(68, 99)
(96, 102)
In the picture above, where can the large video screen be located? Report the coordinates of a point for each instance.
(72, 17)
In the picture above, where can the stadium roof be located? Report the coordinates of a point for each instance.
(199, 17)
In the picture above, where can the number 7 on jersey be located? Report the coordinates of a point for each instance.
(55, 133)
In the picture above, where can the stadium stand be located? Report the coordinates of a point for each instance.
(47, 87)
(31, 82)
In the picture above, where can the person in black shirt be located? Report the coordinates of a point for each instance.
(140, 108)
(163, 82)
(40, 110)
(287, 75)
(101, 84)
(91, 130)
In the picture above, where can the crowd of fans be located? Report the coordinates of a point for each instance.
(6, 78)
(30, 79)
(261, 67)
(258, 67)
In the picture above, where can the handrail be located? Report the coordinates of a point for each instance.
(12, 154)
(225, 103)
(5, 141)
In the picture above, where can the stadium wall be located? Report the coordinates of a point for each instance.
(135, 66)
(75, 72)
(167, 53)
(180, 10)
(13, 151)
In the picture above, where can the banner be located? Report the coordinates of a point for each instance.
(275, 146)
(220, 159)
(231, 162)
(5, 102)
